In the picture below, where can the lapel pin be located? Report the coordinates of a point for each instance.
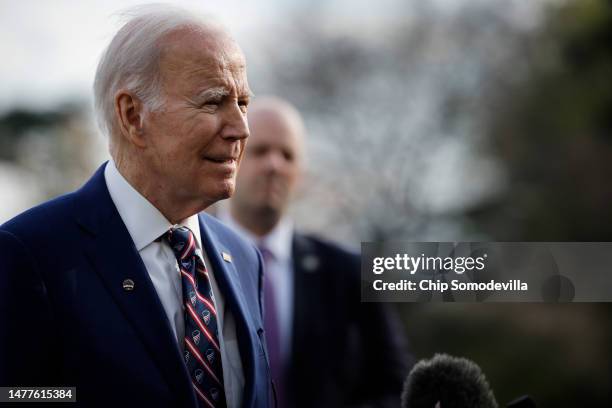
(310, 263)
(226, 257)
(128, 285)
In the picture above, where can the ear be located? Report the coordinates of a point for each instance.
(129, 111)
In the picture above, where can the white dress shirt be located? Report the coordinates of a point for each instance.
(279, 269)
(145, 224)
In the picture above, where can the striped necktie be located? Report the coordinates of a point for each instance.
(202, 349)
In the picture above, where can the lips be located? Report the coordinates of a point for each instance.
(221, 160)
(228, 154)
(225, 164)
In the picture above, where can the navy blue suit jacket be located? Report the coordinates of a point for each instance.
(65, 318)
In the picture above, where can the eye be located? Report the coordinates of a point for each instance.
(257, 150)
(288, 155)
(244, 104)
(212, 103)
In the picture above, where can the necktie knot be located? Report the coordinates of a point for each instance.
(182, 242)
(265, 253)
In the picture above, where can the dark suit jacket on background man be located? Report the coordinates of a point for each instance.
(351, 353)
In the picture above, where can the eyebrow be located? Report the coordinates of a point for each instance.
(216, 92)
(220, 92)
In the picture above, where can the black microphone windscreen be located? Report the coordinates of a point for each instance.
(452, 382)
(524, 401)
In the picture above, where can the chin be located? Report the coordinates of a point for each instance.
(226, 190)
(271, 208)
(275, 204)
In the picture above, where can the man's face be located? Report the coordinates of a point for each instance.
(272, 163)
(196, 140)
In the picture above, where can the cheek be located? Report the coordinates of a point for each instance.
(287, 170)
(163, 134)
(188, 128)
(293, 176)
(166, 149)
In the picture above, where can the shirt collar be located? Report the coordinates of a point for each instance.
(142, 219)
(278, 241)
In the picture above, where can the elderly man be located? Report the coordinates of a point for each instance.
(123, 288)
(326, 348)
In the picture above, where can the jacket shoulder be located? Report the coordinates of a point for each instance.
(41, 219)
(304, 243)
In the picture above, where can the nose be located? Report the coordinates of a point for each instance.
(275, 161)
(235, 124)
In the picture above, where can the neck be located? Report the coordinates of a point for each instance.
(258, 221)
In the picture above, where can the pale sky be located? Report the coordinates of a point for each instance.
(50, 49)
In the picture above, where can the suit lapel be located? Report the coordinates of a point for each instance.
(115, 259)
(229, 283)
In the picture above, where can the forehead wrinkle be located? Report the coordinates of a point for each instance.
(206, 56)
(215, 57)
(216, 68)
(213, 68)
(242, 87)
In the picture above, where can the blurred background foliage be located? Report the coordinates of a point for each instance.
(553, 132)
(488, 120)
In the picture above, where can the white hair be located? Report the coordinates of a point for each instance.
(131, 60)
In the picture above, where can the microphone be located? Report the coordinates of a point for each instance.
(447, 382)
(524, 401)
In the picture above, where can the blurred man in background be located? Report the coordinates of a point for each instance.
(326, 348)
